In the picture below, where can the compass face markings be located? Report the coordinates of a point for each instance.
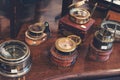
(12, 50)
(15, 52)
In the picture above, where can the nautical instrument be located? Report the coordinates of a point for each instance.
(64, 52)
(101, 46)
(35, 34)
(15, 59)
(79, 15)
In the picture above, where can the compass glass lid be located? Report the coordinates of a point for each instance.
(13, 50)
(37, 28)
(79, 12)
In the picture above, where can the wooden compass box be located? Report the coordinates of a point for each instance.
(113, 15)
(67, 27)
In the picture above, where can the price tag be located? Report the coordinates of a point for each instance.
(14, 71)
(83, 26)
(103, 47)
(34, 42)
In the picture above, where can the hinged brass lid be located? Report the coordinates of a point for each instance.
(75, 38)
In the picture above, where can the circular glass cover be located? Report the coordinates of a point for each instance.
(81, 13)
(13, 50)
(37, 28)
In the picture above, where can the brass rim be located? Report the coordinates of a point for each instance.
(20, 42)
(34, 38)
(65, 44)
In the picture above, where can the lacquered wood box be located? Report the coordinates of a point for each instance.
(67, 27)
(98, 54)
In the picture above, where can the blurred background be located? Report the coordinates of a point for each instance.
(26, 11)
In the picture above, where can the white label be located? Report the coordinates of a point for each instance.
(83, 26)
(34, 42)
(14, 71)
(103, 47)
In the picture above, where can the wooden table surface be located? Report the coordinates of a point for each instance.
(43, 69)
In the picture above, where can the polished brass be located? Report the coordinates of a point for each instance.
(79, 15)
(75, 38)
(65, 44)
